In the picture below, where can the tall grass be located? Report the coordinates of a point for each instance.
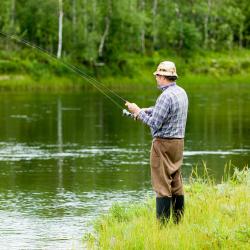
(216, 217)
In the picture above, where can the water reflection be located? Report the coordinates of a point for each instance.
(59, 141)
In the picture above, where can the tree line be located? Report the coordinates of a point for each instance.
(96, 32)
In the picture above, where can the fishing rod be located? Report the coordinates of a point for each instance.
(76, 70)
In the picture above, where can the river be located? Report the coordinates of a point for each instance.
(66, 157)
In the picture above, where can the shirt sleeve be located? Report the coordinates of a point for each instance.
(159, 113)
(149, 110)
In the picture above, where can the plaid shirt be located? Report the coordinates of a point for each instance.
(167, 119)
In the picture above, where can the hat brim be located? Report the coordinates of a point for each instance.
(164, 73)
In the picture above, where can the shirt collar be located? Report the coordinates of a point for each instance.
(165, 87)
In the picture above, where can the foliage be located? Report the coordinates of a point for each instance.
(132, 27)
(208, 40)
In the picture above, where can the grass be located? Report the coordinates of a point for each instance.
(16, 82)
(29, 70)
(216, 217)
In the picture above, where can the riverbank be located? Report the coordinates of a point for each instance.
(216, 217)
(37, 72)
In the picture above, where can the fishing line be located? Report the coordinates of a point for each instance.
(71, 67)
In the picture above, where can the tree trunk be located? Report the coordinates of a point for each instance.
(131, 10)
(154, 32)
(241, 34)
(142, 7)
(12, 17)
(206, 19)
(181, 35)
(106, 31)
(94, 14)
(60, 28)
(74, 21)
(73, 15)
(85, 19)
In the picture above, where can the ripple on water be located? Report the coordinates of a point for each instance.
(29, 226)
(130, 155)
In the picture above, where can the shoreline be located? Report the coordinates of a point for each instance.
(20, 72)
(216, 217)
(54, 83)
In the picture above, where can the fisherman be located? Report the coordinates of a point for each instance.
(167, 121)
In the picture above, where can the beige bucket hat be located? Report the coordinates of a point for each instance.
(166, 68)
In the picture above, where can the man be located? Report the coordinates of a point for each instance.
(167, 121)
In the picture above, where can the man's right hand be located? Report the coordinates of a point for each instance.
(133, 108)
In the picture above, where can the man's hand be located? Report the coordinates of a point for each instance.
(133, 108)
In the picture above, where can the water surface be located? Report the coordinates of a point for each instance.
(65, 158)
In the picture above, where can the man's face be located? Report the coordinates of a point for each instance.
(160, 80)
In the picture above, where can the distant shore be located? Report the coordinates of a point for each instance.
(21, 73)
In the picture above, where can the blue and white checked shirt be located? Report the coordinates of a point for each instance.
(167, 119)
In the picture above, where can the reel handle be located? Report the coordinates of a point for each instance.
(127, 113)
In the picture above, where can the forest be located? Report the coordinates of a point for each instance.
(110, 36)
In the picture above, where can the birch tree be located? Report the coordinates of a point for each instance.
(180, 23)
(85, 19)
(94, 13)
(74, 19)
(107, 27)
(60, 29)
(206, 19)
(12, 17)
(154, 12)
(142, 35)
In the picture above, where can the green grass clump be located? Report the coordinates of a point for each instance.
(216, 217)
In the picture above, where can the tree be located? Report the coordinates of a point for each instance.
(60, 29)
(107, 27)
(88, 31)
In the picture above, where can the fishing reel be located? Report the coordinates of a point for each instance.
(128, 114)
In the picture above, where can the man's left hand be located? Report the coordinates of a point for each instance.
(133, 108)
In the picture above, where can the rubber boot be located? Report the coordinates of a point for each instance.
(178, 207)
(163, 205)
